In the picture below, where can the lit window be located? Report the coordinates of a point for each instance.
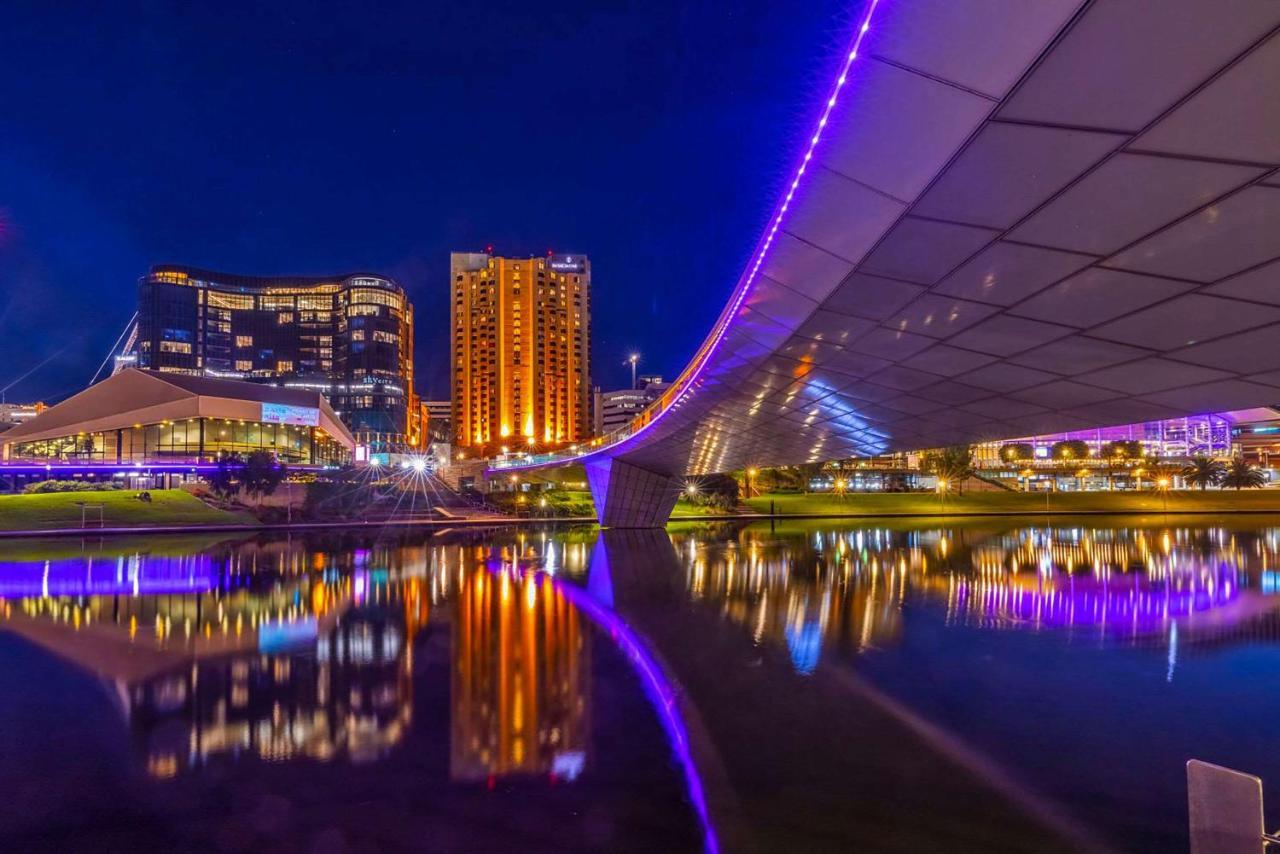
(244, 340)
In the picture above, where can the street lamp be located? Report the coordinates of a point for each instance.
(633, 360)
(1163, 484)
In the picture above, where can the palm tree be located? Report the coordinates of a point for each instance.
(1241, 475)
(1204, 472)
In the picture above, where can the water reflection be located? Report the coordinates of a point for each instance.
(283, 652)
(489, 648)
(521, 671)
(846, 589)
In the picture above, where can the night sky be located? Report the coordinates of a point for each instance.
(316, 138)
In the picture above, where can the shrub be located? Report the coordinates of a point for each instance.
(46, 486)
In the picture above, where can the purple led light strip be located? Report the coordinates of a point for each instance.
(693, 374)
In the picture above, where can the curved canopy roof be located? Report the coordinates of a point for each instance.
(1012, 218)
(148, 397)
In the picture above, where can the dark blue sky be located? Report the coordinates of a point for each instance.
(315, 137)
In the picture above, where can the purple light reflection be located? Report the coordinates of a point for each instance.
(657, 688)
(1124, 604)
(133, 575)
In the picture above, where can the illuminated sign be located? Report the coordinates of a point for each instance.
(569, 263)
(279, 413)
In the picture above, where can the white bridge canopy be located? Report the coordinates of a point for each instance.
(1017, 217)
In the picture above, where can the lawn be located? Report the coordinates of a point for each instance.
(916, 503)
(120, 508)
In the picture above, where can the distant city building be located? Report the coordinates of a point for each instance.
(439, 415)
(349, 337)
(615, 409)
(12, 414)
(176, 424)
(520, 351)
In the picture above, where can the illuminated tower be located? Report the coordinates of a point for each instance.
(521, 350)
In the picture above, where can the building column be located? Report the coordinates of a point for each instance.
(627, 496)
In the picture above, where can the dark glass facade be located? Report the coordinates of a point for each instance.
(348, 337)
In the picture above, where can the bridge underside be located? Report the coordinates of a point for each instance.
(1015, 218)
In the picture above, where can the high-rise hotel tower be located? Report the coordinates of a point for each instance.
(521, 351)
(349, 337)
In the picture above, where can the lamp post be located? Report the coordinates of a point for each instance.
(1163, 484)
(633, 360)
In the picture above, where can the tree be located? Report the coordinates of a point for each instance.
(1204, 472)
(1017, 452)
(1241, 475)
(953, 463)
(223, 482)
(1123, 449)
(807, 472)
(1070, 449)
(262, 473)
(258, 474)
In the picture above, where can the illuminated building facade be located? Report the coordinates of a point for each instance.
(520, 343)
(138, 422)
(349, 337)
(616, 409)
(18, 413)
(439, 418)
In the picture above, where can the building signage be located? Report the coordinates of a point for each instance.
(279, 413)
(568, 264)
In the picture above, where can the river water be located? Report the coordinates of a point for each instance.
(1011, 685)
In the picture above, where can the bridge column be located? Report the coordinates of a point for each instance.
(627, 496)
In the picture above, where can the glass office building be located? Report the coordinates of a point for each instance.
(349, 337)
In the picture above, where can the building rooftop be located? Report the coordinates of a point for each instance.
(135, 396)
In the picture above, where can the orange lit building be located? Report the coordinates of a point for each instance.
(521, 671)
(521, 351)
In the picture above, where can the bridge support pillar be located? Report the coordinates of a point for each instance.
(628, 496)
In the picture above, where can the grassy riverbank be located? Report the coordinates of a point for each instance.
(929, 504)
(120, 509)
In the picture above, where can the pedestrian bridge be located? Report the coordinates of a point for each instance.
(1011, 218)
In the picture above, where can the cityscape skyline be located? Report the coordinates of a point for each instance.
(84, 215)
